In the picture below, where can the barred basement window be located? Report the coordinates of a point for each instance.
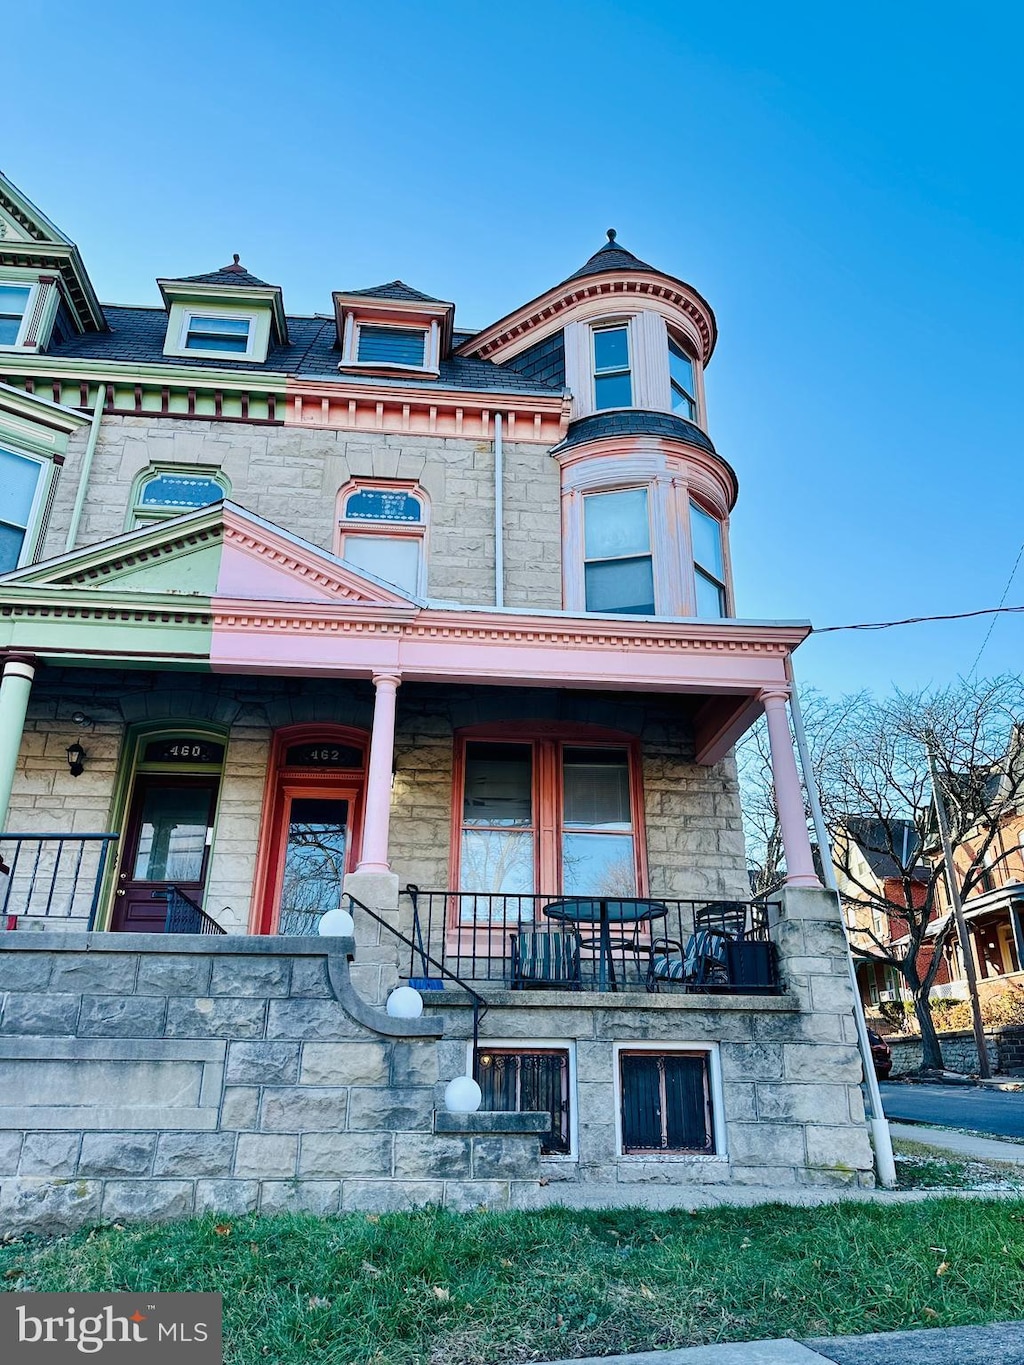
(535, 1081)
(666, 1102)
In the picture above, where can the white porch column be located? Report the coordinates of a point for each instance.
(15, 686)
(377, 807)
(789, 798)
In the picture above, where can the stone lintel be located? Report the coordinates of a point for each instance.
(492, 1121)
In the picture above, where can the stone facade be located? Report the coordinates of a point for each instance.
(145, 1079)
(693, 821)
(292, 475)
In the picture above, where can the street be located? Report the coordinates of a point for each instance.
(987, 1111)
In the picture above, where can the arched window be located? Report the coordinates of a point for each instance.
(382, 529)
(161, 493)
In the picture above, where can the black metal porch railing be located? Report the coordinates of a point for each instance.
(52, 877)
(594, 943)
(184, 916)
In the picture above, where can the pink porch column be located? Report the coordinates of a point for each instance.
(789, 798)
(377, 811)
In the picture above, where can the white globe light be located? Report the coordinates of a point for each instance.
(462, 1095)
(405, 1003)
(337, 923)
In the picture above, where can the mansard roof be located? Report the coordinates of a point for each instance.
(634, 422)
(136, 337)
(611, 256)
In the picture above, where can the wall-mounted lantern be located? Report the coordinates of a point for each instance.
(76, 759)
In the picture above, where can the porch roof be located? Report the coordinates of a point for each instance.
(220, 589)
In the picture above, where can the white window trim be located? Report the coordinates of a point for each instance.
(652, 552)
(431, 345)
(33, 527)
(542, 1045)
(396, 530)
(720, 1156)
(182, 315)
(613, 325)
(33, 286)
(699, 569)
(673, 339)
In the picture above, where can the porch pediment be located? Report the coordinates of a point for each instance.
(221, 551)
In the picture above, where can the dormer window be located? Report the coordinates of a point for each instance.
(613, 385)
(683, 380)
(405, 346)
(209, 332)
(14, 301)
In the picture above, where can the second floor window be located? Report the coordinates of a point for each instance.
(168, 493)
(613, 385)
(13, 308)
(618, 566)
(708, 562)
(382, 530)
(22, 484)
(683, 381)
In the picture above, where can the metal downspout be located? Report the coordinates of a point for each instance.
(83, 478)
(499, 514)
(885, 1162)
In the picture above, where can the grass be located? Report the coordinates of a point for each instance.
(924, 1167)
(436, 1288)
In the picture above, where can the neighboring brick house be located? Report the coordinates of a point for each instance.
(362, 601)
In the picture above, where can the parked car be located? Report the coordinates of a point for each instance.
(881, 1055)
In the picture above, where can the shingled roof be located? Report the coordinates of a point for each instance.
(395, 289)
(233, 274)
(611, 257)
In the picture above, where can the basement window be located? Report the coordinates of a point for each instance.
(666, 1103)
(531, 1081)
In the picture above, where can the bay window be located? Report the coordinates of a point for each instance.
(682, 380)
(613, 385)
(549, 817)
(708, 562)
(618, 565)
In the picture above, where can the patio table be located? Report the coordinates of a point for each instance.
(605, 912)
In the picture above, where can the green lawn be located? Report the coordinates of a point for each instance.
(435, 1288)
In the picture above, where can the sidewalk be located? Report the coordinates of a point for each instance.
(963, 1144)
(996, 1344)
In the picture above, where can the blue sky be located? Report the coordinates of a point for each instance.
(841, 182)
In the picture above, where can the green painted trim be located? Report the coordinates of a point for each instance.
(111, 371)
(257, 314)
(135, 734)
(23, 414)
(153, 516)
(269, 296)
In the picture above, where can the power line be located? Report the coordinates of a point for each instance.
(916, 620)
(992, 623)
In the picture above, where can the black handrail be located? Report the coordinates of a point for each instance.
(184, 916)
(479, 1003)
(53, 878)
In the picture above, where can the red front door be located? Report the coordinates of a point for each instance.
(167, 843)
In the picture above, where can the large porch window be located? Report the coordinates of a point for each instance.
(547, 817)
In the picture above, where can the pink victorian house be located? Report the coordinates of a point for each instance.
(364, 609)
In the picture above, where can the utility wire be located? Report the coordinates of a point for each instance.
(992, 623)
(916, 620)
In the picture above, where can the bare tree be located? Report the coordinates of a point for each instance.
(871, 761)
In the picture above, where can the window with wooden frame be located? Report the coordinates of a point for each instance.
(15, 312)
(549, 816)
(382, 529)
(618, 566)
(665, 1102)
(682, 380)
(613, 383)
(162, 492)
(530, 1080)
(25, 480)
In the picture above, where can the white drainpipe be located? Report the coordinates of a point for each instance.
(83, 478)
(499, 515)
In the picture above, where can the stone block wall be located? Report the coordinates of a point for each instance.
(292, 475)
(1005, 1047)
(144, 1079)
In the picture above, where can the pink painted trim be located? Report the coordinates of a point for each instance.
(377, 815)
(789, 798)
